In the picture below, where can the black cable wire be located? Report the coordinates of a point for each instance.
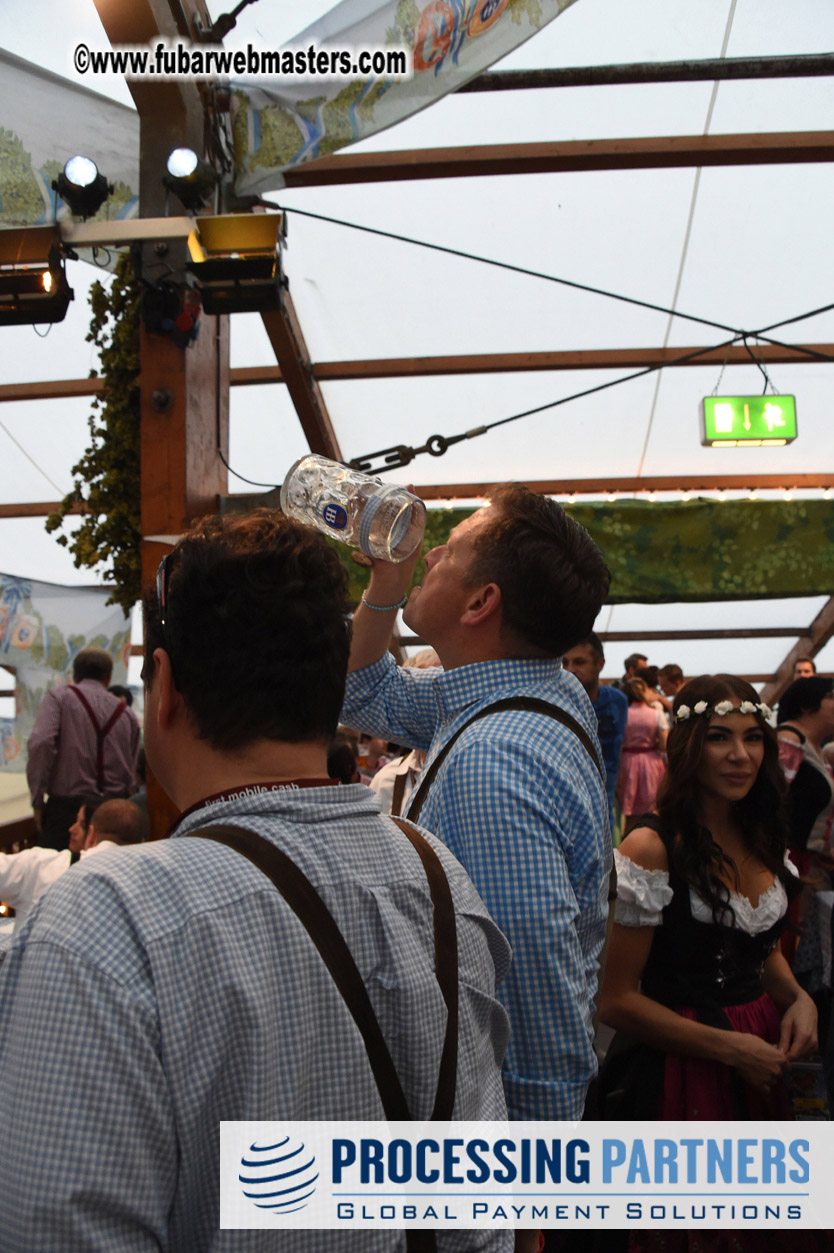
(597, 291)
(516, 269)
(590, 391)
(601, 387)
(243, 477)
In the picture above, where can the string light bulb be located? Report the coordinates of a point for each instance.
(686, 496)
(788, 494)
(827, 494)
(722, 495)
(754, 495)
(611, 497)
(652, 496)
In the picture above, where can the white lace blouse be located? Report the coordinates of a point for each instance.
(643, 894)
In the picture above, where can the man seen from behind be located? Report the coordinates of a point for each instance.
(153, 995)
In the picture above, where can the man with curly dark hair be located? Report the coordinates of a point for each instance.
(167, 988)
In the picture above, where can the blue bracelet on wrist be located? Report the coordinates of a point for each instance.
(384, 608)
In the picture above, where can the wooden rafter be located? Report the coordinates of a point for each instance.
(287, 339)
(466, 363)
(624, 486)
(550, 487)
(568, 156)
(716, 69)
(815, 638)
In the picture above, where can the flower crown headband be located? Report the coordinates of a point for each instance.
(683, 712)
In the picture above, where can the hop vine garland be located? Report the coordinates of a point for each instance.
(106, 479)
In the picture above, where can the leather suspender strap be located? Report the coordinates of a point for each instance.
(528, 703)
(101, 731)
(445, 967)
(397, 795)
(320, 925)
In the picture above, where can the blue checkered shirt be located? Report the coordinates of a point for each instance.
(522, 806)
(156, 991)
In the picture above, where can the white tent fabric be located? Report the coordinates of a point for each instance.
(743, 246)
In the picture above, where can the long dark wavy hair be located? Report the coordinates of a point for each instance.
(760, 814)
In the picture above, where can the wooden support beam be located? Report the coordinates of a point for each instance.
(626, 486)
(567, 156)
(724, 633)
(575, 359)
(184, 394)
(817, 635)
(35, 509)
(465, 363)
(287, 339)
(716, 69)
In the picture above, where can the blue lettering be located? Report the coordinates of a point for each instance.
(409, 1211)
(613, 1154)
(638, 1164)
(371, 1157)
(500, 1149)
(773, 1160)
(795, 1149)
(665, 1159)
(745, 1161)
(691, 1159)
(399, 1171)
(344, 1154)
(577, 1171)
(344, 1210)
(550, 1162)
(450, 1160)
(422, 1171)
(474, 1148)
(634, 1212)
(716, 1161)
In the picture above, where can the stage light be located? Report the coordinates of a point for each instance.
(192, 180)
(33, 283)
(82, 187)
(236, 261)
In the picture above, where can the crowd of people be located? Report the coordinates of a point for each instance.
(151, 992)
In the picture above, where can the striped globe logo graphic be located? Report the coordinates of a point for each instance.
(279, 1177)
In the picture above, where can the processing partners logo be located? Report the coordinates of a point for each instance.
(279, 1177)
(307, 1176)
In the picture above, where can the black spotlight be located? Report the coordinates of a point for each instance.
(192, 180)
(82, 187)
(33, 282)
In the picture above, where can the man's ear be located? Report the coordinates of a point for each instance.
(168, 699)
(481, 605)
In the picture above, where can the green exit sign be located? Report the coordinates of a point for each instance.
(747, 421)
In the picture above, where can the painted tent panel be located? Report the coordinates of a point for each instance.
(42, 628)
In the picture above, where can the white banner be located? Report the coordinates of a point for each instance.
(42, 627)
(280, 124)
(708, 1175)
(45, 120)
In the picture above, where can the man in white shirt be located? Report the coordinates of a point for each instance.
(25, 876)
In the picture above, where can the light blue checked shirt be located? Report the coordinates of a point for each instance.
(156, 991)
(522, 806)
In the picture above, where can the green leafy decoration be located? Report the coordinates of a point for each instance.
(106, 479)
